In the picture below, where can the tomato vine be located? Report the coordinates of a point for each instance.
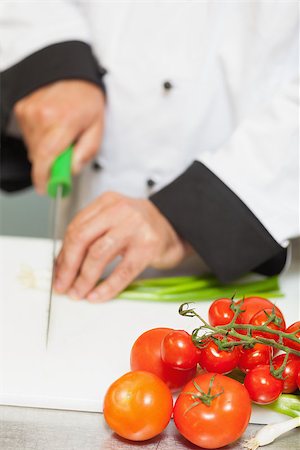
(231, 330)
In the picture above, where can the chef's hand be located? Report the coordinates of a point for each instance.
(55, 116)
(114, 225)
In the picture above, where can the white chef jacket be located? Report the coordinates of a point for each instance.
(232, 69)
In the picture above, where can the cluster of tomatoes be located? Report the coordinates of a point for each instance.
(139, 405)
(260, 362)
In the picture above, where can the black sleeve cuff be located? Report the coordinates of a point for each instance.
(15, 173)
(65, 60)
(218, 225)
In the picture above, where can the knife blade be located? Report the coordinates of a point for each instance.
(59, 185)
(55, 209)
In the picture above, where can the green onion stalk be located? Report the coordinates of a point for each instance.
(193, 288)
(288, 404)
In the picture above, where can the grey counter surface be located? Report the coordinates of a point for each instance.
(43, 429)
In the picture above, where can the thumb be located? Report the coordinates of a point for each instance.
(87, 146)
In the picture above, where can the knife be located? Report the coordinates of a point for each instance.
(59, 185)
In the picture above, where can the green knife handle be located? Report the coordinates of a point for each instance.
(61, 173)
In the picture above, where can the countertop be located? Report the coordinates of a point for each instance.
(44, 429)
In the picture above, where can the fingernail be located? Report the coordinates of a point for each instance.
(77, 165)
(58, 286)
(93, 296)
(77, 169)
(72, 293)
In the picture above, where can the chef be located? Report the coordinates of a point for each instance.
(184, 118)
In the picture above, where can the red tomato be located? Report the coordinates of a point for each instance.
(214, 360)
(216, 424)
(138, 406)
(262, 386)
(261, 317)
(259, 354)
(179, 351)
(291, 329)
(145, 355)
(220, 312)
(290, 372)
(298, 380)
(250, 306)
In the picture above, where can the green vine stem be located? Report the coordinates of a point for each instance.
(245, 340)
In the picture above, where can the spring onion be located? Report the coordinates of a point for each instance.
(185, 288)
(269, 433)
(288, 404)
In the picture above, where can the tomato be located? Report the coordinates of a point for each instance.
(250, 306)
(262, 386)
(179, 351)
(216, 424)
(138, 406)
(298, 380)
(252, 357)
(214, 360)
(261, 317)
(220, 312)
(290, 372)
(291, 329)
(145, 355)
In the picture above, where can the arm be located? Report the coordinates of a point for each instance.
(238, 203)
(237, 206)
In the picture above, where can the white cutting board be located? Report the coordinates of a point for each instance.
(89, 345)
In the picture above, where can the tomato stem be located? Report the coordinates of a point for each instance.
(278, 373)
(202, 397)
